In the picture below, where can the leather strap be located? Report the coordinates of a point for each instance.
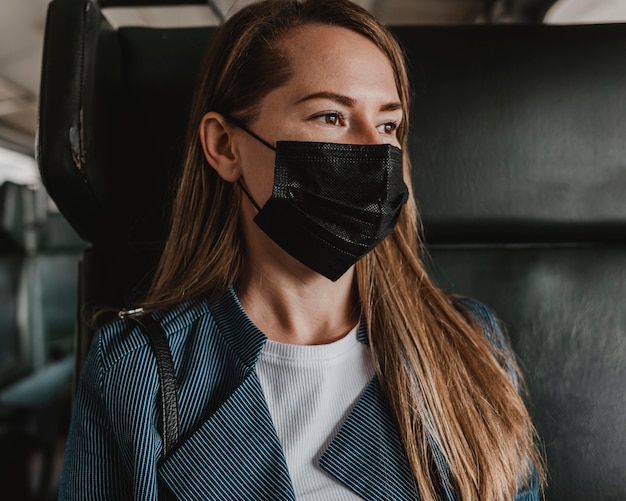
(167, 381)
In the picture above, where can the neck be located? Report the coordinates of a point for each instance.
(303, 309)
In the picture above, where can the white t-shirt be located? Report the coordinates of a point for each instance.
(310, 390)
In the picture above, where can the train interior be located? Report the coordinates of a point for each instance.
(519, 166)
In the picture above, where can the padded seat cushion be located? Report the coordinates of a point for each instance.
(563, 310)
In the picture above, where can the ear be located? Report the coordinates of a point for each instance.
(218, 145)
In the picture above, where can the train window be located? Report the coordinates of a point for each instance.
(586, 12)
(17, 167)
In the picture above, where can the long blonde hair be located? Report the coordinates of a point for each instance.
(445, 385)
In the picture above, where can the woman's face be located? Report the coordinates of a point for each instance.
(342, 90)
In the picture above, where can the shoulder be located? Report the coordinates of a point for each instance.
(125, 339)
(485, 317)
(493, 331)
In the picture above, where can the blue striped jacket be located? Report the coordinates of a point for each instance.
(228, 447)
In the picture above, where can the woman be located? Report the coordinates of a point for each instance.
(314, 358)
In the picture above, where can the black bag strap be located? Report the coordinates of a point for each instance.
(167, 381)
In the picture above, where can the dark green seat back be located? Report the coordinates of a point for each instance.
(519, 168)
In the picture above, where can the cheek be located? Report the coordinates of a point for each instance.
(258, 176)
(264, 182)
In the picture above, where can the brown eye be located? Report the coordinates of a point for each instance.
(331, 118)
(388, 128)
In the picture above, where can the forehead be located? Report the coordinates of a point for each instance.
(322, 55)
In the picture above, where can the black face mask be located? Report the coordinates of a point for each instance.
(331, 203)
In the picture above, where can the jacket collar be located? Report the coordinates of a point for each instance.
(236, 453)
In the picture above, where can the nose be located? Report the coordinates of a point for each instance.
(365, 133)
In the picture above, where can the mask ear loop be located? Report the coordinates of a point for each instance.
(247, 193)
(237, 123)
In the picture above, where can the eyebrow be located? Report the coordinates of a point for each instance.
(347, 101)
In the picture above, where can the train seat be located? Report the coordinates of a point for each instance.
(519, 168)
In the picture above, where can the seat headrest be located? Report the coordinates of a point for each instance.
(12, 218)
(113, 111)
(517, 132)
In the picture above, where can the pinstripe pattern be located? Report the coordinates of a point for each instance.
(376, 469)
(225, 459)
(229, 449)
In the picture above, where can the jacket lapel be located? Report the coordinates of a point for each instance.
(234, 455)
(367, 455)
